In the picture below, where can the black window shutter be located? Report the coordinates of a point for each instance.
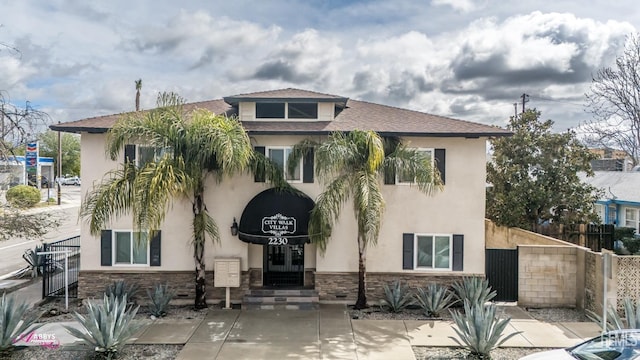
(389, 176)
(407, 251)
(154, 249)
(458, 252)
(129, 153)
(105, 248)
(440, 162)
(307, 167)
(259, 175)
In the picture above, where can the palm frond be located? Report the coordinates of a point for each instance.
(368, 206)
(113, 197)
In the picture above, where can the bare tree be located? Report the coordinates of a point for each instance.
(614, 100)
(18, 125)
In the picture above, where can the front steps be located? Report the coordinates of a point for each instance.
(280, 299)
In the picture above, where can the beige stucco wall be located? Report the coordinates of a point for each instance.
(458, 209)
(503, 237)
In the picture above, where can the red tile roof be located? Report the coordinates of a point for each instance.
(359, 115)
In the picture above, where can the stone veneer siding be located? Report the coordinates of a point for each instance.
(547, 276)
(91, 284)
(344, 286)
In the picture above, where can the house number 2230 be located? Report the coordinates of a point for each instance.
(278, 241)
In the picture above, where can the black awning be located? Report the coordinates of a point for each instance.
(276, 217)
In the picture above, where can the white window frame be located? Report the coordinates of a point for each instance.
(600, 211)
(416, 251)
(286, 158)
(430, 150)
(636, 221)
(114, 248)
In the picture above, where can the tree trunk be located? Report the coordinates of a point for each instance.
(361, 303)
(198, 251)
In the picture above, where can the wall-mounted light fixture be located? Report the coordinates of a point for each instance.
(234, 228)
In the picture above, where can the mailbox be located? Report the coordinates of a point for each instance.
(226, 272)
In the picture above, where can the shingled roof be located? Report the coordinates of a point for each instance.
(353, 114)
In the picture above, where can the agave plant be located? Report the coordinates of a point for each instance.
(433, 299)
(160, 298)
(121, 289)
(479, 329)
(397, 297)
(106, 326)
(614, 321)
(476, 290)
(36, 261)
(13, 322)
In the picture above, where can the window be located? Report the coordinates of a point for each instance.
(130, 248)
(302, 110)
(270, 110)
(407, 176)
(147, 154)
(599, 210)
(631, 218)
(282, 110)
(280, 155)
(433, 251)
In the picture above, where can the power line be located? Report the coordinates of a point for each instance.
(554, 100)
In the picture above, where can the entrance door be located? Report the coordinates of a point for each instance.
(283, 265)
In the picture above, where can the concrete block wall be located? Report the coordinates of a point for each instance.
(547, 276)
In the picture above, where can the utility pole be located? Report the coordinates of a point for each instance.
(515, 109)
(59, 166)
(525, 99)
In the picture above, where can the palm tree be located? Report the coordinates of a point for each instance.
(351, 166)
(138, 88)
(189, 148)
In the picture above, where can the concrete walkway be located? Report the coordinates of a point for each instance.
(327, 333)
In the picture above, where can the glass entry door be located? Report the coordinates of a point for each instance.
(283, 266)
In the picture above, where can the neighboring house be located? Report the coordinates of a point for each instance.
(620, 204)
(422, 239)
(611, 160)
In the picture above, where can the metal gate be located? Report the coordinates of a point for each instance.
(501, 267)
(283, 265)
(53, 272)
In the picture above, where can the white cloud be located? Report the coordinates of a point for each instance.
(458, 5)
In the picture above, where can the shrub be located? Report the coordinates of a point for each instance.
(121, 289)
(13, 323)
(620, 233)
(106, 327)
(23, 196)
(397, 297)
(474, 289)
(160, 298)
(632, 245)
(479, 329)
(433, 299)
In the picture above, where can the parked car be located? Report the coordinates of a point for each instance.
(73, 180)
(617, 344)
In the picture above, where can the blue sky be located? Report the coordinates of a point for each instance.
(465, 59)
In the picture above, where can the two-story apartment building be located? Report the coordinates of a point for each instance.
(422, 238)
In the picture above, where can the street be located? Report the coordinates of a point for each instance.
(11, 250)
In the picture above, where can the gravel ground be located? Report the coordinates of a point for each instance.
(54, 311)
(428, 353)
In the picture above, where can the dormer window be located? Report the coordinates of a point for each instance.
(270, 110)
(302, 110)
(281, 110)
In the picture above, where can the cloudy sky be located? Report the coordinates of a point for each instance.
(467, 59)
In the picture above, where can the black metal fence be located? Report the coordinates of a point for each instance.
(53, 272)
(599, 237)
(501, 268)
